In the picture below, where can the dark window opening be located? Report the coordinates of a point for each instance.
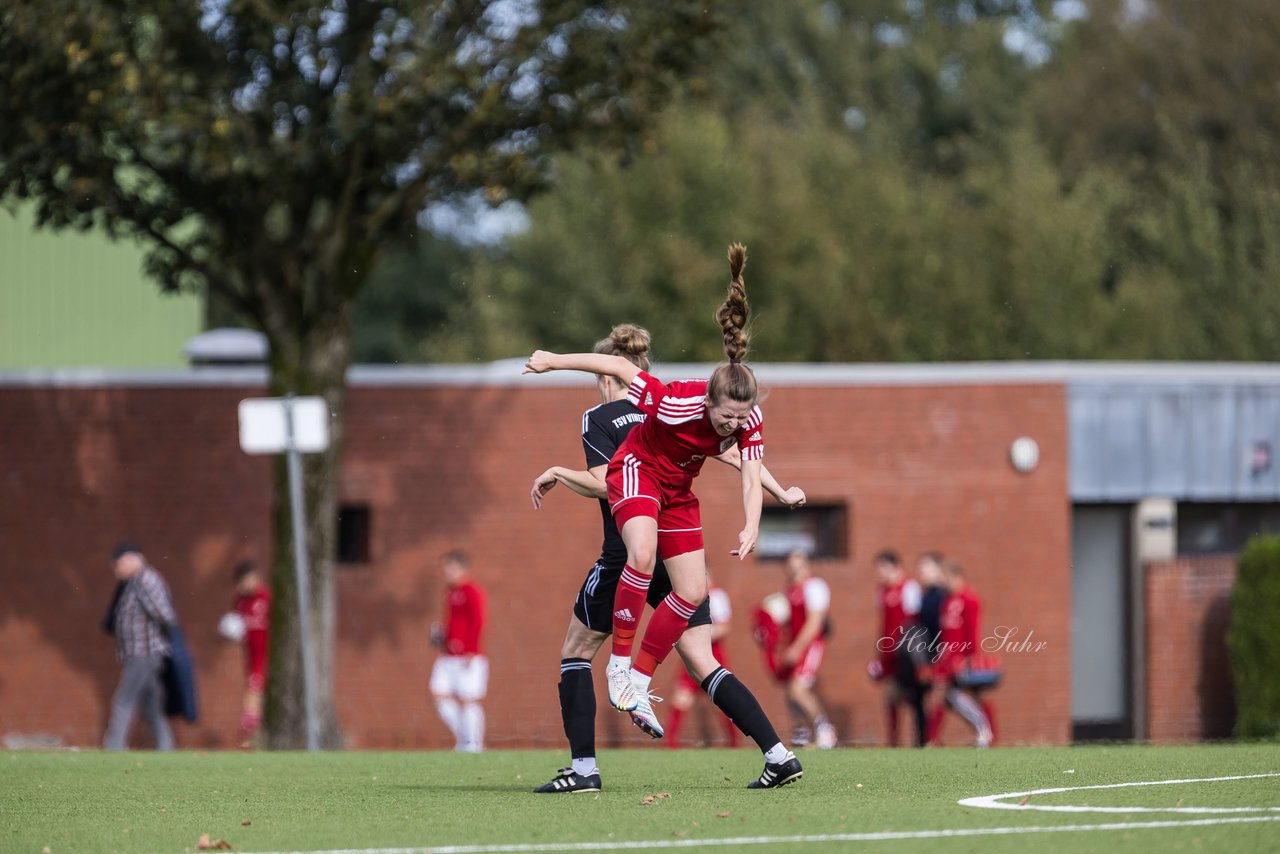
(1205, 528)
(353, 534)
(819, 529)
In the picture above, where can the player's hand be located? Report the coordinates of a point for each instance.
(542, 484)
(538, 363)
(794, 497)
(746, 543)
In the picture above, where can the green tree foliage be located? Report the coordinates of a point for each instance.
(270, 153)
(928, 181)
(1176, 101)
(1252, 642)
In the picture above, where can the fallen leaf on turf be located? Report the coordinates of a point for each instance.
(859, 786)
(246, 823)
(1023, 802)
(47, 850)
(723, 814)
(1179, 803)
(679, 833)
(648, 799)
(207, 844)
(728, 779)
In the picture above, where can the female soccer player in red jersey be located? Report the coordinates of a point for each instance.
(650, 487)
(604, 430)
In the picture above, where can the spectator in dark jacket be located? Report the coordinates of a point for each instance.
(140, 618)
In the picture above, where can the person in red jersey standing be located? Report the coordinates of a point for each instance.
(898, 600)
(460, 677)
(961, 612)
(649, 482)
(810, 600)
(253, 604)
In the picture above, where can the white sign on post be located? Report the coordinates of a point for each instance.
(295, 426)
(263, 428)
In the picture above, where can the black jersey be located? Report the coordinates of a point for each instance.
(604, 427)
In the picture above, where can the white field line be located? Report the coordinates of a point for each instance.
(985, 801)
(994, 802)
(885, 836)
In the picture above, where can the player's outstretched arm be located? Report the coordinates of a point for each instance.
(792, 497)
(752, 497)
(588, 484)
(592, 363)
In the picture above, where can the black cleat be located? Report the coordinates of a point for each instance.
(777, 774)
(569, 781)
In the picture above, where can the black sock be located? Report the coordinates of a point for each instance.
(578, 706)
(740, 706)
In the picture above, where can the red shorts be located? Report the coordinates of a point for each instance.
(806, 669)
(255, 662)
(635, 491)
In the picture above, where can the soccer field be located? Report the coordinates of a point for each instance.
(1223, 798)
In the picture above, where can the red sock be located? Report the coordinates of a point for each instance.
(891, 709)
(673, 727)
(628, 605)
(667, 624)
(935, 723)
(990, 711)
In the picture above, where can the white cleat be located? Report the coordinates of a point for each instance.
(642, 715)
(621, 693)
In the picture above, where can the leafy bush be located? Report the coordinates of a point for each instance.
(1253, 640)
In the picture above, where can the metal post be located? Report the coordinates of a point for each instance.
(300, 566)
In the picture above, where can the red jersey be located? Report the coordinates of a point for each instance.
(960, 613)
(464, 623)
(255, 609)
(812, 594)
(678, 436)
(899, 604)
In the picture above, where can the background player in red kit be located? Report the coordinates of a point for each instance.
(961, 611)
(898, 600)
(460, 676)
(253, 604)
(650, 493)
(810, 600)
(604, 429)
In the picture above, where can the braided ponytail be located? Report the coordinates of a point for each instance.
(734, 380)
(732, 316)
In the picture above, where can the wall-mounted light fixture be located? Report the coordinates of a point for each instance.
(1024, 453)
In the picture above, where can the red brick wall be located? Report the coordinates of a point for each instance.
(922, 467)
(1189, 693)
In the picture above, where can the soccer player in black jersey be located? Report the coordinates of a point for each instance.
(604, 428)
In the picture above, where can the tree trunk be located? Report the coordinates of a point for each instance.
(317, 366)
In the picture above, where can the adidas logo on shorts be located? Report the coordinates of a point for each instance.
(624, 614)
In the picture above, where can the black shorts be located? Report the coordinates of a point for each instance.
(594, 605)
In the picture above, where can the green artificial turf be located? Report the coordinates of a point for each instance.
(268, 802)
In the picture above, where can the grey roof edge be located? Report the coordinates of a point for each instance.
(507, 372)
